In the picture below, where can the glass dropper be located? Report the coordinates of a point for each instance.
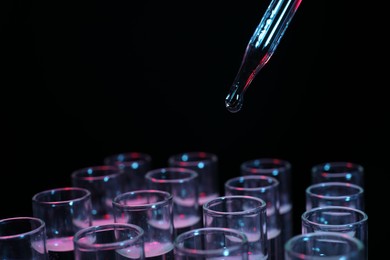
(260, 48)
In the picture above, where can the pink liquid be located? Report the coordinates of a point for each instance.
(133, 253)
(254, 250)
(285, 208)
(160, 224)
(204, 199)
(188, 202)
(99, 222)
(60, 248)
(115, 254)
(158, 251)
(38, 246)
(185, 224)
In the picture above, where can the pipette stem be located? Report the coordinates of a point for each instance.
(260, 48)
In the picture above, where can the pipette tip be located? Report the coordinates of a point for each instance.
(233, 103)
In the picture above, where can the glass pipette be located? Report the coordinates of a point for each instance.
(260, 48)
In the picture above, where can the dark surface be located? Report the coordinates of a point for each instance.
(86, 80)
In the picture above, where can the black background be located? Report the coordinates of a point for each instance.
(83, 80)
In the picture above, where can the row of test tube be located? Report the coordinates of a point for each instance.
(177, 212)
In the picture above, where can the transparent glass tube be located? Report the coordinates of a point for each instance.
(260, 48)
(23, 238)
(324, 246)
(346, 220)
